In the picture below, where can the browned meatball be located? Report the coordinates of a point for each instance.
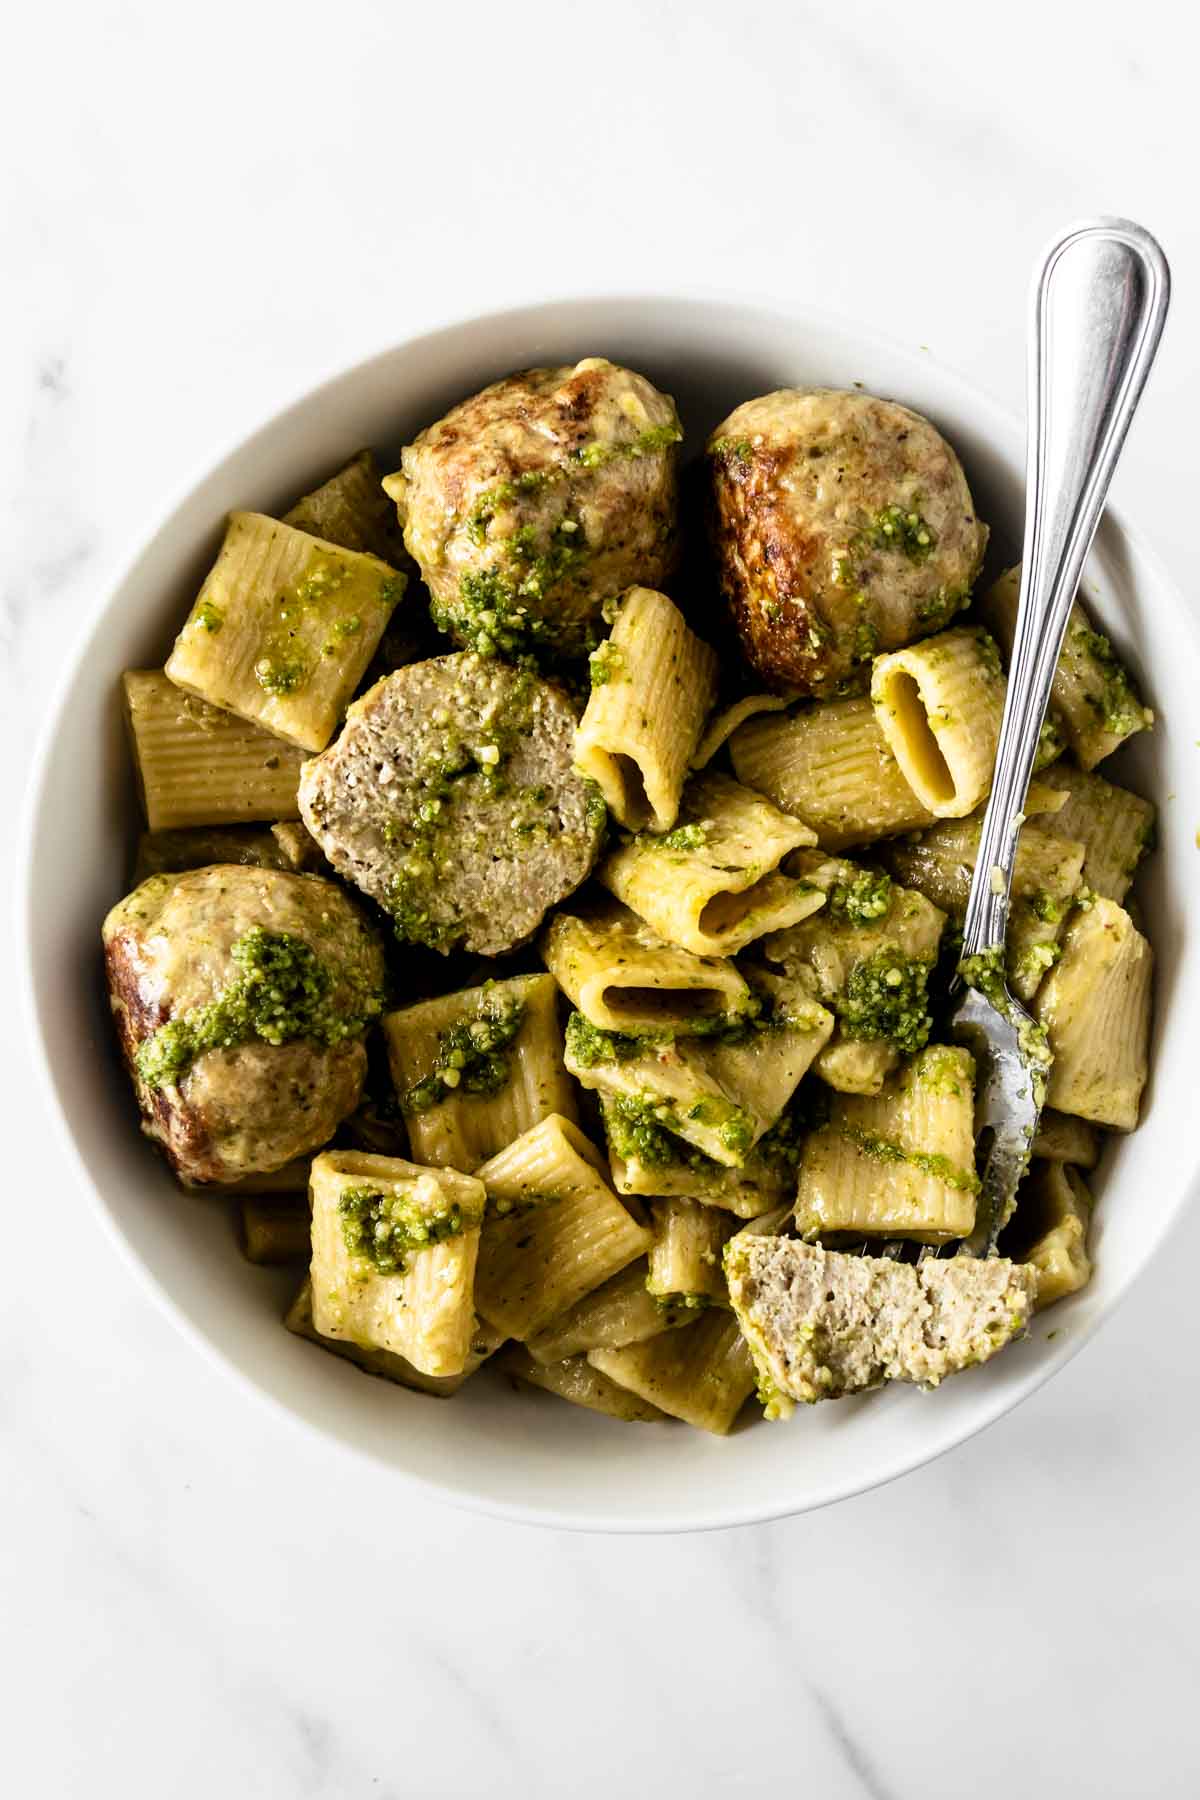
(533, 502)
(241, 998)
(842, 525)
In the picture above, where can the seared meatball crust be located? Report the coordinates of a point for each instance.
(251, 1107)
(842, 526)
(450, 798)
(533, 502)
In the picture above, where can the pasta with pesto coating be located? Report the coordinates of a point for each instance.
(653, 684)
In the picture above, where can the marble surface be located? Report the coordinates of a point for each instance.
(205, 212)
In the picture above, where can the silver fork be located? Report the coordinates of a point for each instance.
(1098, 305)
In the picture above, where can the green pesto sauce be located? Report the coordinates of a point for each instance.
(588, 1045)
(679, 1302)
(985, 971)
(1047, 908)
(731, 449)
(657, 437)
(596, 807)
(345, 628)
(1116, 705)
(422, 835)
(863, 900)
(941, 606)
(472, 1054)
(282, 992)
(941, 1070)
(644, 1130)
(886, 996)
(989, 654)
(886, 1150)
(210, 617)
(607, 664)
(491, 612)
(284, 665)
(684, 837)
(387, 1231)
(734, 1127)
(903, 529)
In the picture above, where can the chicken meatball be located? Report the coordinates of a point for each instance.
(842, 525)
(535, 501)
(450, 798)
(241, 998)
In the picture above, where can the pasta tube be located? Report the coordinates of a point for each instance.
(622, 977)
(939, 705)
(394, 1248)
(830, 765)
(555, 1231)
(1115, 827)
(703, 1374)
(653, 683)
(1093, 699)
(474, 1070)
(283, 629)
(1095, 1007)
(351, 509)
(619, 1312)
(197, 765)
(900, 1163)
(713, 884)
(484, 1343)
(574, 1379)
(685, 1257)
(1049, 1231)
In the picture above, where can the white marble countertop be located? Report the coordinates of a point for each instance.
(207, 212)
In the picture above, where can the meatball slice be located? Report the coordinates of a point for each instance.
(451, 800)
(241, 998)
(842, 525)
(532, 503)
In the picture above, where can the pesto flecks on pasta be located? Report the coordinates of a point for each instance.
(562, 995)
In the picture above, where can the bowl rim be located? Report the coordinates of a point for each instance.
(121, 567)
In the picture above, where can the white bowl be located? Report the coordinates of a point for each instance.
(523, 1455)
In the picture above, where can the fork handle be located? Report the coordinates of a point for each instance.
(1098, 305)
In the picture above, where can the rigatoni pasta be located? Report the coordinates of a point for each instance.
(197, 765)
(1093, 700)
(475, 1069)
(939, 704)
(575, 1380)
(830, 764)
(620, 1311)
(685, 1258)
(554, 1232)
(484, 1343)
(652, 685)
(623, 977)
(900, 1163)
(283, 629)
(1095, 1008)
(1050, 1230)
(1115, 827)
(393, 1264)
(703, 1374)
(712, 885)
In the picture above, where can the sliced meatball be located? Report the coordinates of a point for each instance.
(841, 525)
(451, 800)
(241, 998)
(532, 503)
